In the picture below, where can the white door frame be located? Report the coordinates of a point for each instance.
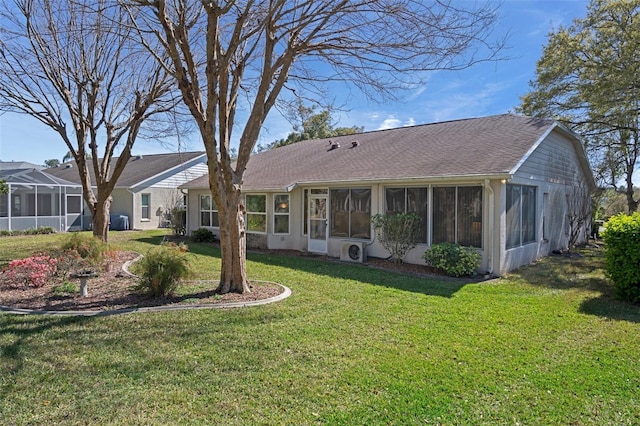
(318, 221)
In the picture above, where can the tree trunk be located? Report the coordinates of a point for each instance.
(100, 218)
(233, 276)
(632, 204)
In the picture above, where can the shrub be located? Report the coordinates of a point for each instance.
(397, 233)
(162, 269)
(33, 271)
(453, 259)
(65, 288)
(178, 220)
(622, 255)
(203, 235)
(181, 246)
(87, 246)
(32, 231)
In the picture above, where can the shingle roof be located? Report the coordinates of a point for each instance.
(471, 147)
(138, 169)
(32, 176)
(11, 165)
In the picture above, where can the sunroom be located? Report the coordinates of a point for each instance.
(36, 199)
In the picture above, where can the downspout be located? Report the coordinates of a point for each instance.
(490, 242)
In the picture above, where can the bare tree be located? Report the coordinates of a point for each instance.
(578, 211)
(230, 54)
(75, 67)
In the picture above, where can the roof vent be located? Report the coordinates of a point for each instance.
(68, 166)
(138, 157)
(354, 144)
(333, 145)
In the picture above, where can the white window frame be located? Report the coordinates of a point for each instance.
(520, 219)
(144, 218)
(210, 211)
(277, 206)
(255, 213)
(425, 219)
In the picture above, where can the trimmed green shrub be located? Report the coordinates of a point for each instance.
(87, 246)
(203, 235)
(32, 231)
(622, 255)
(453, 259)
(397, 233)
(162, 269)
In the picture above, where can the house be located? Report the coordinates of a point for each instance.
(12, 165)
(38, 199)
(147, 190)
(502, 184)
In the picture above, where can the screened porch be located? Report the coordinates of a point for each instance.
(36, 199)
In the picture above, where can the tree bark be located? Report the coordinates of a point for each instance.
(100, 218)
(233, 274)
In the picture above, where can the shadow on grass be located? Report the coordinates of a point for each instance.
(320, 265)
(583, 270)
(18, 327)
(606, 307)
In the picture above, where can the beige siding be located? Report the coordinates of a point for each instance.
(554, 161)
(161, 200)
(552, 168)
(182, 177)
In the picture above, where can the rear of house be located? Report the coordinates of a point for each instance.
(500, 184)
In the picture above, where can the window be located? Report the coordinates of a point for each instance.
(281, 214)
(208, 212)
(521, 215)
(408, 200)
(351, 213)
(144, 203)
(256, 213)
(545, 216)
(457, 215)
(45, 207)
(4, 205)
(16, 208)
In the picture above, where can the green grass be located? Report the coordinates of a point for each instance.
(352, 345)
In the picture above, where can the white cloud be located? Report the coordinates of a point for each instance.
(392, 121)
(389, 123)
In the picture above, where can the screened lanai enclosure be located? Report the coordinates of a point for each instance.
(36, 199)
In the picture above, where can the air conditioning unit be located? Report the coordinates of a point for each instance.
(353, 252)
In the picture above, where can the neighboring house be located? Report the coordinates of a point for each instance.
(38, 199)
(147, 190)
(502, 184)
(11, 165)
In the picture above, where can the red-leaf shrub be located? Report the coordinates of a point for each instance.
(30, 272)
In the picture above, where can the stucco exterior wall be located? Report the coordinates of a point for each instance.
(161, 200)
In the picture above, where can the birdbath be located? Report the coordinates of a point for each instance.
(84, 276)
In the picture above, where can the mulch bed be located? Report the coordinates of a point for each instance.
(114, 289)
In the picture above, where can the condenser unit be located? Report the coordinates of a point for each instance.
(353, 252)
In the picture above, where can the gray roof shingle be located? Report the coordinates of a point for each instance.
(138, 169)
(32, 176)
(485, 146)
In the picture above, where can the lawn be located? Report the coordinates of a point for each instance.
(352, 345)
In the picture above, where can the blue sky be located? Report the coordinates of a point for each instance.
(485, 89)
